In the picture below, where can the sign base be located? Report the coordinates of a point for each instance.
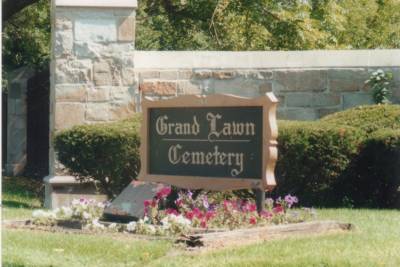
(128, 206)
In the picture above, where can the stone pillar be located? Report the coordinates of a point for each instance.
(92, 71)
(17, 121)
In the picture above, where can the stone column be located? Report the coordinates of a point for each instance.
(92, 70)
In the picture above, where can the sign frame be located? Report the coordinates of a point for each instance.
(268, 103)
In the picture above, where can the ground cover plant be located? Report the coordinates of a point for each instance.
(374, 242)
(188, 213)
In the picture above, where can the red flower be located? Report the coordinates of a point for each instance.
(164, 192)
(278, 209)
(210, 214)
(154, 203)
(189, 215)
(251, 207)
(253, 220)
(172, 211)
(147, 202)
(203, 224)
(266, 214)
(197, 213)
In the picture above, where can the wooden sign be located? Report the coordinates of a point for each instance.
(215, 142)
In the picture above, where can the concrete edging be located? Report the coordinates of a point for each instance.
(266, 59)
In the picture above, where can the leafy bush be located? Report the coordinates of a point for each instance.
(312, 156)
(374, 178)
(380, 83)
(107, 153)
(368, 118)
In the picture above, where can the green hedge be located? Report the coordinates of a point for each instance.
(368, 118)
(351, 157)
(107, 153)
(311, 157)
(373, 180)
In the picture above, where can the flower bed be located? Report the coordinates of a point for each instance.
(189, 213)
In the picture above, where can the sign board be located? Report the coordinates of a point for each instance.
(214, 142)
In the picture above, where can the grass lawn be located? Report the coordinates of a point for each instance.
(375, 242)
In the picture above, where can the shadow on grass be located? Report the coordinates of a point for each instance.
(15, 204)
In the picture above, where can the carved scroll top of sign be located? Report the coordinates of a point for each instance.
(215, 142)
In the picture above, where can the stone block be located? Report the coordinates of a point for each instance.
(149, 75)
(169, 75)
(122, 51)
(322, 112)
(122, 110)
(356, 99)
(238, 87)
(202, 74)
(128, 76)
(160, 88)
(265, 88)
(188, 88)
(301, 80)
(97, 112)
(347, 80)
(122, 93)
(98, 94)
(70, 93)
(63, 43)
(73, 71)
(107, 72)
(98, 30)
(126, 29)
(302, 114)
(63, 23)
(68, 115)
(312, 99)
(223, 74)
(185, 74)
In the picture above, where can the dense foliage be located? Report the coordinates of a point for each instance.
(351, 157)
(368, 118)
(107, 153)
(312, 156)
(267, 24)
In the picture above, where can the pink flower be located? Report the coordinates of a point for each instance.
(154, 203)
(278, 209)
(189, 215)
(253, 220)
(178, 202)
(209, 215)
(164, 192)
(197, 213)
(172, 211)
(147, 202)
(251, 207)
(203, 224)
(266, 214)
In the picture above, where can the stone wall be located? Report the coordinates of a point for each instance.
(315, 84)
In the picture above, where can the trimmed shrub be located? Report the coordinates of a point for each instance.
(374, 178)
(312, 156)
(368, 118)
(107, 153)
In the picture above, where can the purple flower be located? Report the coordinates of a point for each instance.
(290, 200)
(205, 202)
(189, 194)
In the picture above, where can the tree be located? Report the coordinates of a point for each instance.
(26, 33)
(11, 7)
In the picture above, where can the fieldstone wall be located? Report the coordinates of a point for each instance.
(92, 63)
(304, 94)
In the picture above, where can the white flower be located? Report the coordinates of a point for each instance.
(86, 215)
(112, 226)
(67, 211)
(131, 227)
(75, 202)
(151, 229)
